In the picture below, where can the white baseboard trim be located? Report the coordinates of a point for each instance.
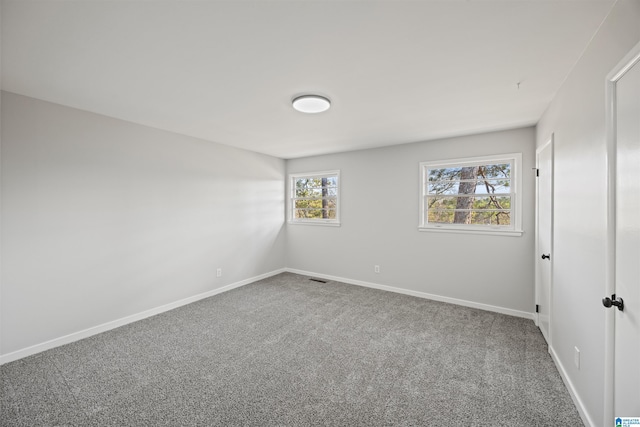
(586, 419)
(465, 303)
(75, 336)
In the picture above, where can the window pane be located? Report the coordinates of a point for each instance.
(498, 170)
(440, 217)
(492, 202)
(446, 174)
(301, 183)
(303, 204)
(478, 210)
(308, 213)
(308, 183)
(315, 213)
(315, 197)
(443, 187)
(480, 201)
(491, 218)
(331, 181)
(316, 192)
(300, 213)
(493, 186)
(314, 183)
(488, 186)
(316, 203)
(314, 209)
(309, 192)
(441, 202)
(470, 193)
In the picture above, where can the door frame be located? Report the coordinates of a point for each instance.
(632, 58)
(538, 282)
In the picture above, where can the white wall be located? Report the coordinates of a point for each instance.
(577, 119)
(379, 196)
(103, 219)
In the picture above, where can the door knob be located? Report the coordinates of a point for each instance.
(546, 256)
(613, 301)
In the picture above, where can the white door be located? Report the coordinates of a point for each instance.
(544, 235)
(627, 244)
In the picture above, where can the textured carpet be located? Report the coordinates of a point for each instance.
(287, 351)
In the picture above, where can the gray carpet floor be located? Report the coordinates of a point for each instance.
(287, 351)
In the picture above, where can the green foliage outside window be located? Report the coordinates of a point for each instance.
(315, 197)
(479, 195)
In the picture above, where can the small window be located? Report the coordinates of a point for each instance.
(479, 194)
(315, 198)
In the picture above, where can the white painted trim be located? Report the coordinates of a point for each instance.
(514, 230)
(490, 232)
(580, 406)
(464, 303)
(291, 192)
(549, 143)
(630, 59)
(314, 222)
(610, 247)
(76, 336)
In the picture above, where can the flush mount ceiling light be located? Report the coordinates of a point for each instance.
(311, 103)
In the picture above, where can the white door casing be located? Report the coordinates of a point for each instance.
(627, 252)
(622, 391)
(544, 236)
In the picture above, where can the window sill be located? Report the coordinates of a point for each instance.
(492, 232)
(321, 223)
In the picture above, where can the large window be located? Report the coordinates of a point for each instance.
(479, 194)
(315, 198)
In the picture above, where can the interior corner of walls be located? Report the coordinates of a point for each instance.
(183, 210)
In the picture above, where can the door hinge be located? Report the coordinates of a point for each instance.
(537, 308)
(537, 173)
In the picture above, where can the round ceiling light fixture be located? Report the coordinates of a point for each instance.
(311, 103)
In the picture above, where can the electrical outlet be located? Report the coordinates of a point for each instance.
(219, 272)
(576, 357)
(376, 269)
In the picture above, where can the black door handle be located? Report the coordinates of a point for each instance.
(547, 256)
(613, 302)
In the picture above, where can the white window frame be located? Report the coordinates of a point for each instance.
(335, 222)
(515, 229)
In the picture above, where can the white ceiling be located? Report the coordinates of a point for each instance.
(226, 71)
